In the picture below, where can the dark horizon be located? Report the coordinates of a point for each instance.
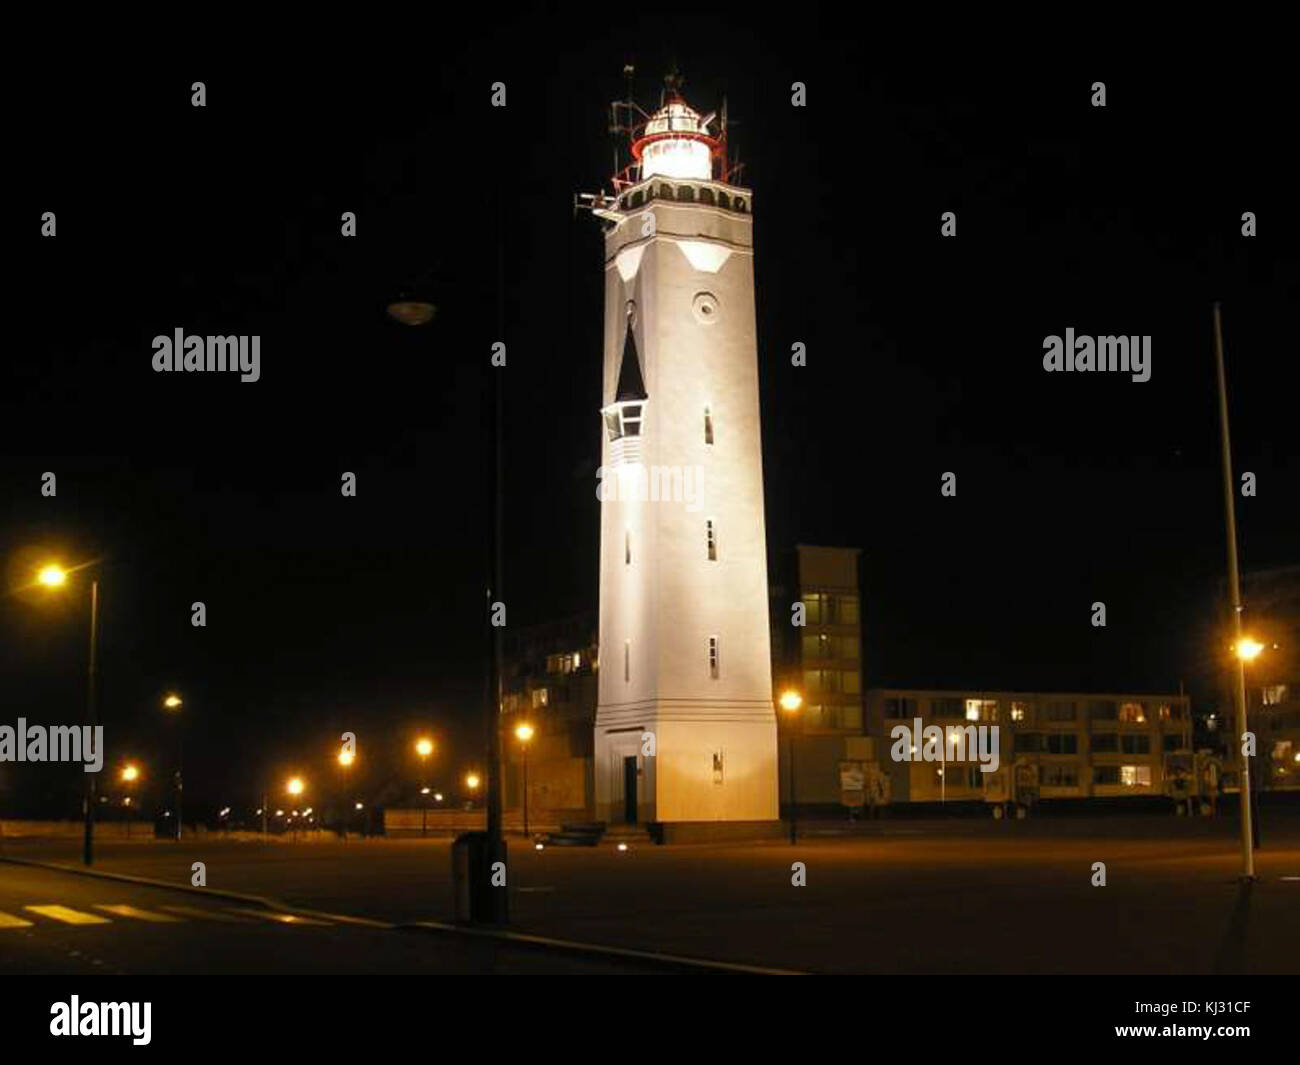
(328, 614)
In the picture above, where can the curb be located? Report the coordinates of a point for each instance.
(668, 962)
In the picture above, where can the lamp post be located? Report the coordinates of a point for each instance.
(173, 702)
(524, 733)
(416, 312)
(791, 701)
(424, 748)
(345, 759)
(130, 774)
(55, 576)
(1234, 588)
(294, 787)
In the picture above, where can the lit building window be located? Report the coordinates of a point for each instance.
(1135, 776)
(981, 710)
(1274, 694)
(1132, 713)
(539, 698)
(713, 657)
(1019, 711)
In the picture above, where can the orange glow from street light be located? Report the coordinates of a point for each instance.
(172, 701)
(424, 747)
(52, 576)
(130, 773)
(294, 786)
(1248, 650)
(524, 732)
(791, 700)
(346, 757)
(471, 781)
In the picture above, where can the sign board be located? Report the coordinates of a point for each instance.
(853, 783)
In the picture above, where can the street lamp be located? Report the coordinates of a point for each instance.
(791, 701)
(472, 782)
(54, 576)
(424, 748)
(345, 759)
(414, 311)
(294, 786)
(129, 775)
(172, 701)
(524, 733)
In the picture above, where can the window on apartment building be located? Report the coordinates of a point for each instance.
(818, 645)
(540, 696)
(1274, 694)
(1132, 713)
(1105, 774)
(711, 538)
(1062, 743)
(713, 657)
(1135, 776)
(1173, 742)
(975, 777)
(1027, 743)
(850, 682)
(848, 609)
(1060, 710)
(822, 680)
(1105, 742)
(981, 710)
(900, 709)
(1019, 711)
(708, 425)
(946, 708)
(1138, 743)
(1056, 775)
(1102, 710)
(816, 608)
(851, 716)
(1162, 713)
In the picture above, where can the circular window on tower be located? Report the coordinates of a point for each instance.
(705, 307)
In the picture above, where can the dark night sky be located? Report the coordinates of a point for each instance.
(327, 614)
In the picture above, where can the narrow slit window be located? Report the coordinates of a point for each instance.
(627, 660)
(708, 425)
(627, 547)
(711, 537)
(713, 657)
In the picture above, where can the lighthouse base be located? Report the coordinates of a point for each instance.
(685, 766)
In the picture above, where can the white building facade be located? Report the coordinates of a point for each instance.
(685, 724)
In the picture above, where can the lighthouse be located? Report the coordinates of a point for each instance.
(686, 740)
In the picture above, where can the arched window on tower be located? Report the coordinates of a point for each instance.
(724, 200)
(740, 205)
(635, 200)
(686, 194)
(706, 196)
(665, 192)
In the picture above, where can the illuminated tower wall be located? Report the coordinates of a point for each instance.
(684, 637)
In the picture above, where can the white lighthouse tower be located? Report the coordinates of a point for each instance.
(685, 727)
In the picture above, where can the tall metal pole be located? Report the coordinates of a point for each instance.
(794, 804)
(88, 801)
(1234, 588)
(525, 791)
(180, 763)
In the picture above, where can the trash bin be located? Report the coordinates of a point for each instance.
(477, 900)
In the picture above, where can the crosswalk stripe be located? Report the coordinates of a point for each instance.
(201, 914)
(8, 920)
(279, 918)
(68, 915)
(123, 910)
